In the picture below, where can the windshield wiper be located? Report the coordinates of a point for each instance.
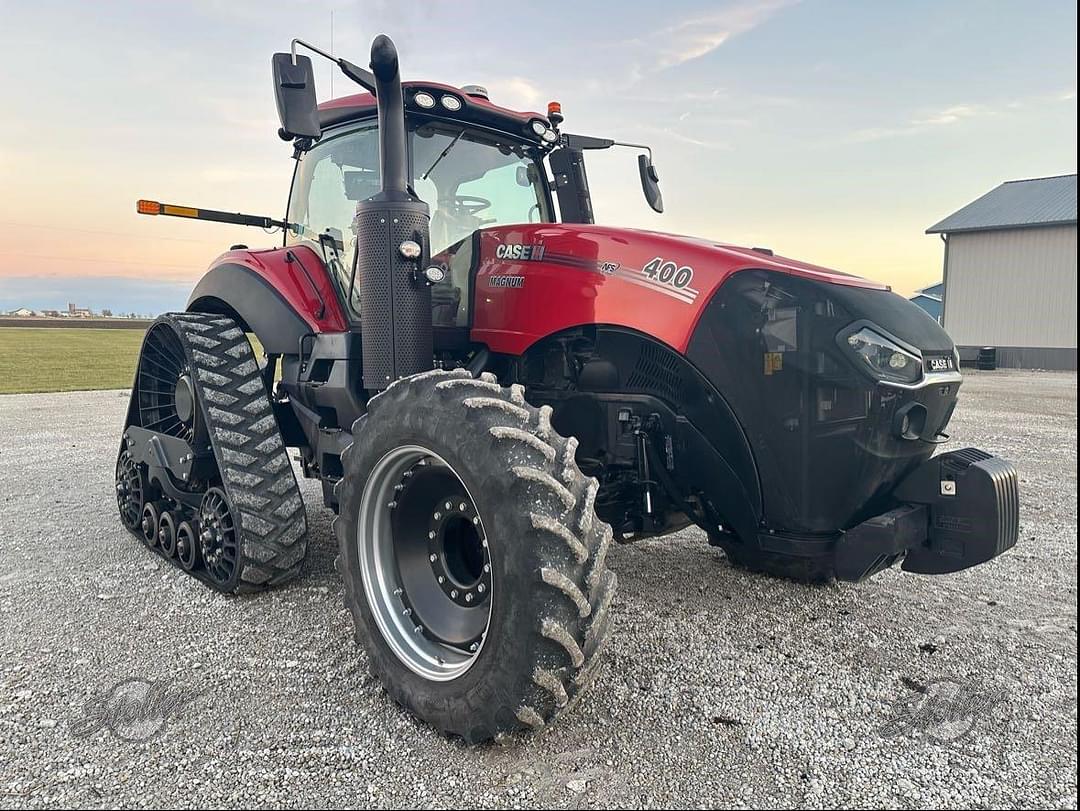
(442, 155)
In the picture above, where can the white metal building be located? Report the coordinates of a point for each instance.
(1010, 273)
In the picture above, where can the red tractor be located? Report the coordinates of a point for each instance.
(491, 388)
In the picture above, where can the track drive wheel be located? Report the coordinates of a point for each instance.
(473, 560)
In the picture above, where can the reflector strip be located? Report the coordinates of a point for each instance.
(179, 211)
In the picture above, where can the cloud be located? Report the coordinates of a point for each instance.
(950, 115)
(930, 121)
(514, 92)
(696, 37)
(675, 135)
(922, 123)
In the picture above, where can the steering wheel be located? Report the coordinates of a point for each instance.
(470, 204)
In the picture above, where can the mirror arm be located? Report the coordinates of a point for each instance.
(362, 77)
(588, 142)
(646, 147)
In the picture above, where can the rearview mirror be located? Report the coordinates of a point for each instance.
(650, 183)
(294, 91)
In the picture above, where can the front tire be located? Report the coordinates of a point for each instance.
(528, 641)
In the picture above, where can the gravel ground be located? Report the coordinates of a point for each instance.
(720, 688)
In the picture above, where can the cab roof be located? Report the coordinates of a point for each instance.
(474, 109)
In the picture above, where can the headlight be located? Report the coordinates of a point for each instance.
(425, 100)
(883, 358)
(451, 103)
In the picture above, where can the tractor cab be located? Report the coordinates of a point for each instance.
(473, 164)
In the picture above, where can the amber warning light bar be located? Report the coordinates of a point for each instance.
(154, 208)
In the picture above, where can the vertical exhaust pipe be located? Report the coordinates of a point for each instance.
(393, 155)
(392, 246)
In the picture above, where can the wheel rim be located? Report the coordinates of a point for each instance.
(407, 539)
(129, 491)
(218, 539)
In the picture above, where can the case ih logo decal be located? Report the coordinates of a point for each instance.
(944, 364)
(665, 277)
(506, 281)
(526, 253)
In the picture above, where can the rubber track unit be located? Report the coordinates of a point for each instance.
(552, 594)
(251, 456)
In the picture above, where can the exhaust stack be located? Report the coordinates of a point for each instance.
(392, 246)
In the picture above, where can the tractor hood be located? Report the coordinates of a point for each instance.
(534, 280)
(841, 386)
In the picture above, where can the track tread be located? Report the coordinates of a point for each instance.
(255, 469)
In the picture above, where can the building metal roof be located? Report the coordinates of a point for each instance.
(932, 291)
(1016, 204)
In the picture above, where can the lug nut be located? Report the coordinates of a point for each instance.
(474, 647)
(453, 593)
(431, 535)
(437, 516)
(487, 567)
(469, 597)
(442, 579)
(481, 588)
(463, 506)
(449, 506)
(391, 505)
(433, 558)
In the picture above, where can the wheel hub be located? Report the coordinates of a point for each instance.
(184, 399)
(457, 553)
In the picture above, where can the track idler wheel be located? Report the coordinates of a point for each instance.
(187, 545)
(130, 492)
(166, 534)
(218, 541)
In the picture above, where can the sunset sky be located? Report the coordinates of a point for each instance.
(835, 132)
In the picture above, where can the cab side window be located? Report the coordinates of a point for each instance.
(330, 179)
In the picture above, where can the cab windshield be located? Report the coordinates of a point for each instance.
(470, 179)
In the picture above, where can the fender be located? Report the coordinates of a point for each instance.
(713, 452)
(271, 296)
